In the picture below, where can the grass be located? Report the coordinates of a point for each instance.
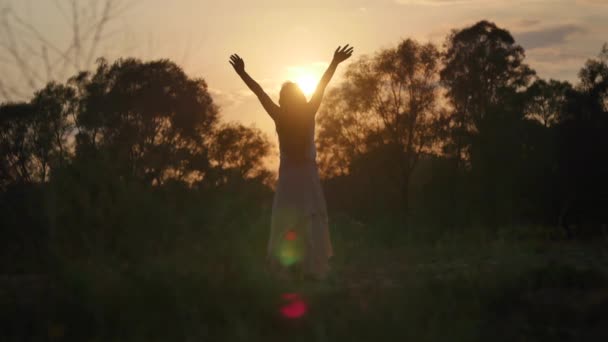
(459, 286)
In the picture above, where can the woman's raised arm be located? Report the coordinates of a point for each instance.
(340, 55)
(239, 66)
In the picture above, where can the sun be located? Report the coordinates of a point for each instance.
(306, 76)
(307, 83)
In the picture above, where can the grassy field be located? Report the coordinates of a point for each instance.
(527, 285)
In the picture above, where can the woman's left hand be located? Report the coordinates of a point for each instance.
(237, 63)
(343, 53)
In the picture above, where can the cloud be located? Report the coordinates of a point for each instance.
(554, 62)
(549, 36)
(529, 22)
(228, 99)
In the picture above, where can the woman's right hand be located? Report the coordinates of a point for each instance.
(237, 63)
(343, 53)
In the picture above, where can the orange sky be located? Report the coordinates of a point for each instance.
(282, 40)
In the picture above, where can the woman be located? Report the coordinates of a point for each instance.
(299, 237)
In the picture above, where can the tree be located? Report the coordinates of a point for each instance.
(15, 143)
(485, 78)
(483, 70)
(544, 111)
(594, 84)
(389, 103)
(34, 135)
(54, 109)
(150, 117)
(582, 145)
(239, 150)
(546, 101)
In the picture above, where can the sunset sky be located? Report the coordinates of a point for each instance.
(288, 40)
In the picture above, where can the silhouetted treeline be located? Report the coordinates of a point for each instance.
(426, 137)
(127, 155)
(467, 135)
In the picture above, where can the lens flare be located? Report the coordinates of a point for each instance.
(291, 249)
(290, 253)
(295, 306)
(291, 235)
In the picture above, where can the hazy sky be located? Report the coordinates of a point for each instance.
(282, 40)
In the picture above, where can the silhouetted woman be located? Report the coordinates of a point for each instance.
(299, 237)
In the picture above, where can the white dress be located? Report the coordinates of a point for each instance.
(299, 225)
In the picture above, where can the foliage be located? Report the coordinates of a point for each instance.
(152, 118)
(385, 113)
(483, 70)
(239, 150)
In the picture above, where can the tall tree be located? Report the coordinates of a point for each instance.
(34, 135)
(388, 102)
(483, 69)
(583, 143)
(54, 110)
(152, 118)
(485, 78)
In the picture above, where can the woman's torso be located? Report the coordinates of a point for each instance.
(296, 131)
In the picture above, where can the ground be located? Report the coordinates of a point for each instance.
(460, 287)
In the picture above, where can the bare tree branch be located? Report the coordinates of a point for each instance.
(99, 29)
(36, 58)
(76, 34)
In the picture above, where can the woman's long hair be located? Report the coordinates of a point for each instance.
(294, 121)
(291, 97)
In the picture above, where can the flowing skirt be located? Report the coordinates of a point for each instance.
(299, 233)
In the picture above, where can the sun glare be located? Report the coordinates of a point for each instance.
(307, 83)
(306, 76)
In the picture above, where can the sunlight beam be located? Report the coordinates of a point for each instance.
(307, 83)
(306, 76)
